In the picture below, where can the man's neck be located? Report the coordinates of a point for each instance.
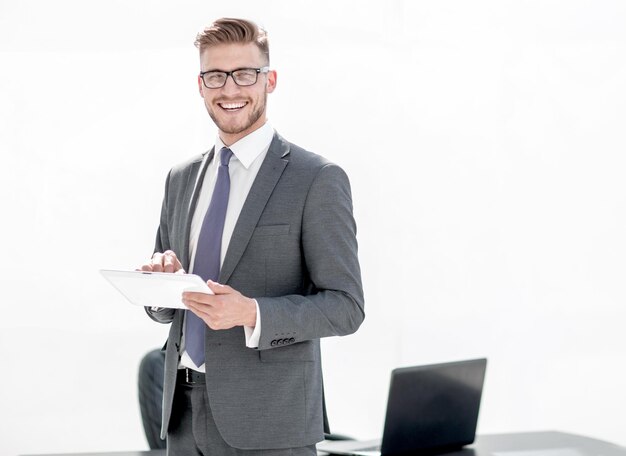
(231, 138)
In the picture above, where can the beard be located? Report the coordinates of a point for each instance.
(247, 123)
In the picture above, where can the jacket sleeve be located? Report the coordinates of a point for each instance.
(329, 245)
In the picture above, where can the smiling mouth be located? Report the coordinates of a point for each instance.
(232, 107)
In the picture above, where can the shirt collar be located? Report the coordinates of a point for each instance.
(248, 148)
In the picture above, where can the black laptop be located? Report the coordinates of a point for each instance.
(431, 409)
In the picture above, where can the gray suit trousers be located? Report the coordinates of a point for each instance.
(193, 431)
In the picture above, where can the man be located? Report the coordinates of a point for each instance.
(270, 227)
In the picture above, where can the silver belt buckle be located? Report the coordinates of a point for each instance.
(187, 376)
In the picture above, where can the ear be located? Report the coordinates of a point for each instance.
(200, 86)
(272, 79)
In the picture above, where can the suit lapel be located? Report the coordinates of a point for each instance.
(272, 168)
(192, 200)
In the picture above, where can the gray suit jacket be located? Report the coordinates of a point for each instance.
(293, 249)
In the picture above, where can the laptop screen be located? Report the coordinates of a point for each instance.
(433, 407)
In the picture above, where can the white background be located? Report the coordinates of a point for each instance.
(485, 145)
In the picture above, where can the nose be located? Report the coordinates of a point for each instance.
(230, 86)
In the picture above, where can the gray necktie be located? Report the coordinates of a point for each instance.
(208, 254)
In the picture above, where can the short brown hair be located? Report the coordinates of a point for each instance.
(230, 30)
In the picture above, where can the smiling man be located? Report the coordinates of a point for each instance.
(269, 225)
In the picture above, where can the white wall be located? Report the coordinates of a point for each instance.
(485, 145)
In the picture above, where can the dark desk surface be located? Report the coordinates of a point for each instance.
(549, 443)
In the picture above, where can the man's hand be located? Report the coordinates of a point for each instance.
(163, 262)
(223, 310)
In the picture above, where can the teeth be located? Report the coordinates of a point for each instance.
(232, 105)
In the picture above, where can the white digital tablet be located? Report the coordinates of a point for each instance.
(158, 289)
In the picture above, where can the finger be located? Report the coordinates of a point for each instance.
(218, 288)
(177, 264)
(169, 262)
(200, 298)
(214, 320)
(198, 313)
(200, 310)
(157, 262)
(145, 267)
(172, 254)
(170, 258)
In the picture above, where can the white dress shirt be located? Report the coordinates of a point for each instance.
(248, 155)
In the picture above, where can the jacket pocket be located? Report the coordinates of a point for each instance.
(271, 230)
(301, 351)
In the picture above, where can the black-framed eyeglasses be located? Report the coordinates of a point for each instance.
(215, 79)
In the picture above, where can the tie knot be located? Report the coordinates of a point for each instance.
(225, 155)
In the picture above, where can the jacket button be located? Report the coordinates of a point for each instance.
(292, 340)
(273, 343)
(280, 341)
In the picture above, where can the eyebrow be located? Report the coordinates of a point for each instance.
(228, 71)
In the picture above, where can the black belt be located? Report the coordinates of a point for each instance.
(190, 377)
